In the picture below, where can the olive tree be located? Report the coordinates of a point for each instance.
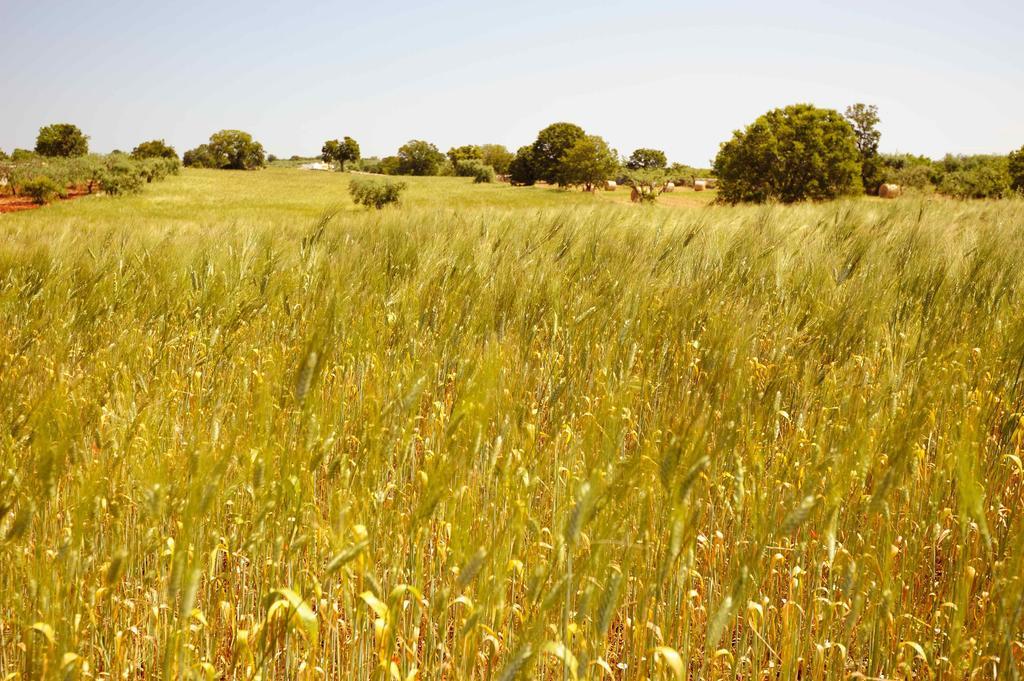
(791, 154)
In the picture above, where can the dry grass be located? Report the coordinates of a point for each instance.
(537, 443)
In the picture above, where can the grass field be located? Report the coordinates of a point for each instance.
(247, 430)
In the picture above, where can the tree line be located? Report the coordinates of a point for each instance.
(794, 153)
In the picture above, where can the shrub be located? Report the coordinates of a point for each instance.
(61, 139)
(483, 174)
(466, 168)
(42, 189)
(389, 165)
(374, 193)
(977, 178)
(791, 154)
(154, 149)
(121, 176)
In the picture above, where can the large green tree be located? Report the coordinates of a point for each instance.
(791, 154)
(417, 157)
(863, 118)
(549, 148)
(589, 161)
(61, 139)
(647, 159)
(340, 151)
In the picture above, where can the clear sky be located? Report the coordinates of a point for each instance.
(681, 76)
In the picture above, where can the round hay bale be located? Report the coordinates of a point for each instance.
(610, 185)
(699, 185)
(889, 191)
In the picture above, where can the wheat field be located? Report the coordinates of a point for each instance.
(521, 439)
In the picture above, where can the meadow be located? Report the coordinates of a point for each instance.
(248, 430)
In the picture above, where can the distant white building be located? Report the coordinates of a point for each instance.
(315, 166)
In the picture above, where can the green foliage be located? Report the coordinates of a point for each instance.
(496, 156)
(271, 158)
(483, 174)
(227, 150)
(864, 120)
(154, 149)
(588, 162)
(63, 140)
(647, 159)
(121, 176)
(908, 170)
(390, 165)
(42, 189)
(791, 154)
(340, 151)
(417, 157)
(468, 152)
(647, 183)
(23, 155)
(1015, 167)
(975, 177)
(685, 175)
(375, 193)
(200, 157)
(3, 155)
(550, 147)
(521, 170)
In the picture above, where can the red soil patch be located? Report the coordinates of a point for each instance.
(13, 204)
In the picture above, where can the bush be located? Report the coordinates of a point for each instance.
(42, 189)
(61, 139)
(483, 174)
(791, 154)
(154, 149)
(466, 168)
(989, 179)
(121, 176)
(375, 194)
